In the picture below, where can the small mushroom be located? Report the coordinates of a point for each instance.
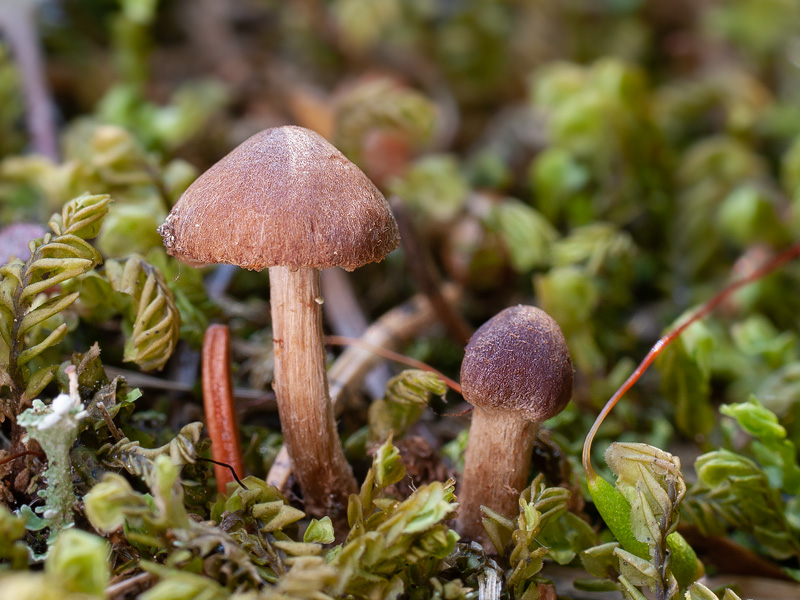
(287, 200)
(516, 373)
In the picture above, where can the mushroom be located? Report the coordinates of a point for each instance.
(287, 200)
(516, 373)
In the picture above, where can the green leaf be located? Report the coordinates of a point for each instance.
(320, 531)
(51, 340)
(755, 419)
(151, 314)
(286, 516)
(72, 267)
(45, 311)
(37, 382)
(78, 558)
(82, 217)
(685, 380)
(528, 235)
(387, 465)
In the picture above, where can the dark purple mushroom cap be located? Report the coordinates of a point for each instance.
(284, 197)
(518, 361)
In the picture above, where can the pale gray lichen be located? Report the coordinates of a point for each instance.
(56, 427)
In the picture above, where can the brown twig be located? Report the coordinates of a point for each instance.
(341, 340)
(112, 428)
(38, 455)
(123, 588)
(134, 379)
(345, 318)
(221, 416)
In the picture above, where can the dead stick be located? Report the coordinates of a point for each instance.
(346, 318)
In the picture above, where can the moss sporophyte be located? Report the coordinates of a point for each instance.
(613, 506)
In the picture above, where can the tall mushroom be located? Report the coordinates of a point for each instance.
(287, 200)
(517, 372)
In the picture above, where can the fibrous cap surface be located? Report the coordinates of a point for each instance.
(518, 361)
(284, 197)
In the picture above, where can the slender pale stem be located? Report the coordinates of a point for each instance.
(496, 467)
(301, 387)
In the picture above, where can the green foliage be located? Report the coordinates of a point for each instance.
(381, 105)
(777, 455)
(686, 379)
(190, 106)
(647, 176)
(152, 314)
(571, 298)
(183, 449)
(758, 28)
(528, 235)
(434, 188)
(393, 544)
(14, 550)
(544, 528)
(258, 546)
(697, 591)
(190, 296)
(407, 396)
(10, 99)
(642, 512)
(76, 569)
(600, 132)
(734, 491)
(711, 171)
(30, 299)
(159, 523)
(79, 559)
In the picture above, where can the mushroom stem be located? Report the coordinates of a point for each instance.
(496, 467)
(301, 387)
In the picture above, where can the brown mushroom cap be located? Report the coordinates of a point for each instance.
(518, 361)
(284, 197)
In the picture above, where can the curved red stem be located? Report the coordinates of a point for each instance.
(777, 262)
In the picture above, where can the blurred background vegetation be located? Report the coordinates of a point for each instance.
(614, 162)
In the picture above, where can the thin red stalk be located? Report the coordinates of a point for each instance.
(778, 261)
(39, 455)
(341, 340)
(221, 416)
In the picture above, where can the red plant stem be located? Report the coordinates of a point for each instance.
(777, 262)
(218, 400)
(341, 340)
(39, 455)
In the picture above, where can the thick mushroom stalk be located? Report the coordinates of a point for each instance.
(517, 372)
(301, 387)
(496, 467)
